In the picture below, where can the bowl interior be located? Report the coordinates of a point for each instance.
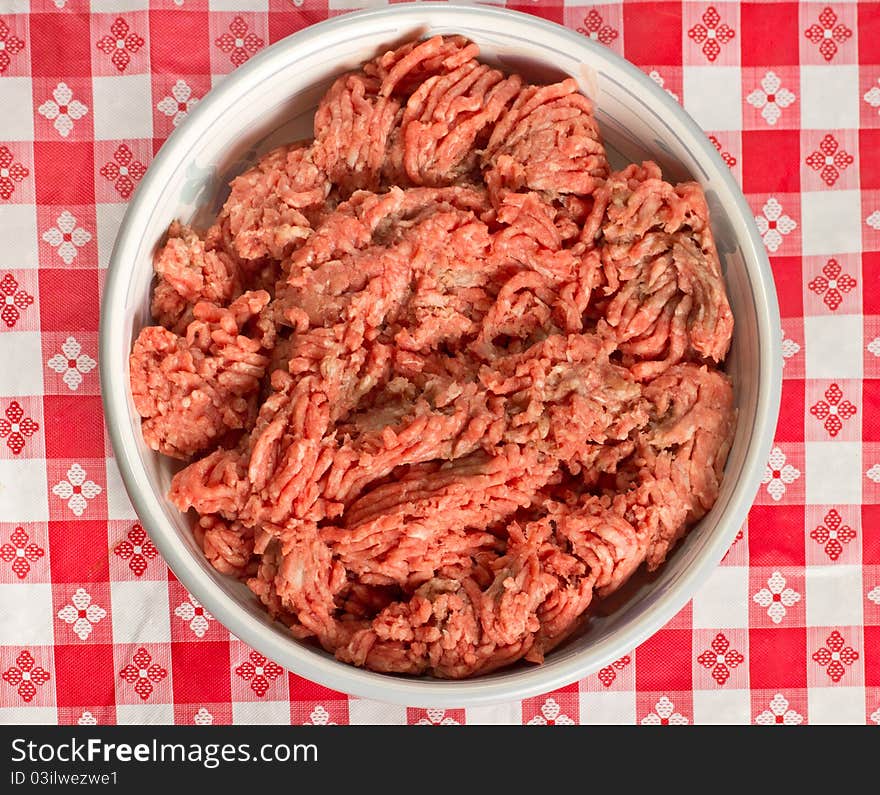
(227, 133)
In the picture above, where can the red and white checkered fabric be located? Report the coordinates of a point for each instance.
(93, 626)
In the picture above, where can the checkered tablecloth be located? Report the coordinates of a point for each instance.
(93, 626)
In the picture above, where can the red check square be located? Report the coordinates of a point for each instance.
(283, 23)
(69, 300)
(79, 551)
(55, 164)
(74, 426)
(168, 29)
(552, 12)
(663, 662)
(653, 33)
(201, 672)
(771, 161)
(871, 539)
(84, 676)
(61, 45)
(790, 427)
(789, 285)
(772, 32)
(871, 410)
(776, 536)
(869, 158)
(305, 690)
(778, 657)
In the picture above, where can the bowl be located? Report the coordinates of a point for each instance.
(271, 100)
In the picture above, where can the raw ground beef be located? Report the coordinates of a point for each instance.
(440, 377)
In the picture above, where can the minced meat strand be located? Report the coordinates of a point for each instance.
(441, 378)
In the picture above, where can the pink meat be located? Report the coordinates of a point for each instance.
(403, 70)
(548, 140)
(662, 269)
(675, 476)
(444, 119)
(192, 390)
(391, 536)
(268, 210)
(187, 273)
(229, 546)
(352, 127)
(440, 379)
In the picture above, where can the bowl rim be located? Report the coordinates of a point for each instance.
(311, 663)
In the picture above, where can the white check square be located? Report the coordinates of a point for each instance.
(713, 96)
(833, 346)
(613, 708)
(261, 712)
(364, 710)
(836, 706)
(23, 496)
(140, 612)
(109, 219)
(830, 222)
(144, 714)
(22, 355)
(834, 596)
(19, 225)
(494, 715)
(28, 716)
(26, 617)
(722, 707)
(830, 97)
(118, 504)
(724, 599)
(122, 107)
(16, 99)
(833, 473)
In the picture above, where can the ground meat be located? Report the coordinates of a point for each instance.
(547, 140)
(191, 390)
(667, 294)
(271, 206)
(678, 468)
(441, 377)
(187, 272)
(445, 117)
(352, 126)
(229, 546)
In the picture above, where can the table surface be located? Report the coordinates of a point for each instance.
(93, 626)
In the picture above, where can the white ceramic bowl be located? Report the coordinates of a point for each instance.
(270, 100)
